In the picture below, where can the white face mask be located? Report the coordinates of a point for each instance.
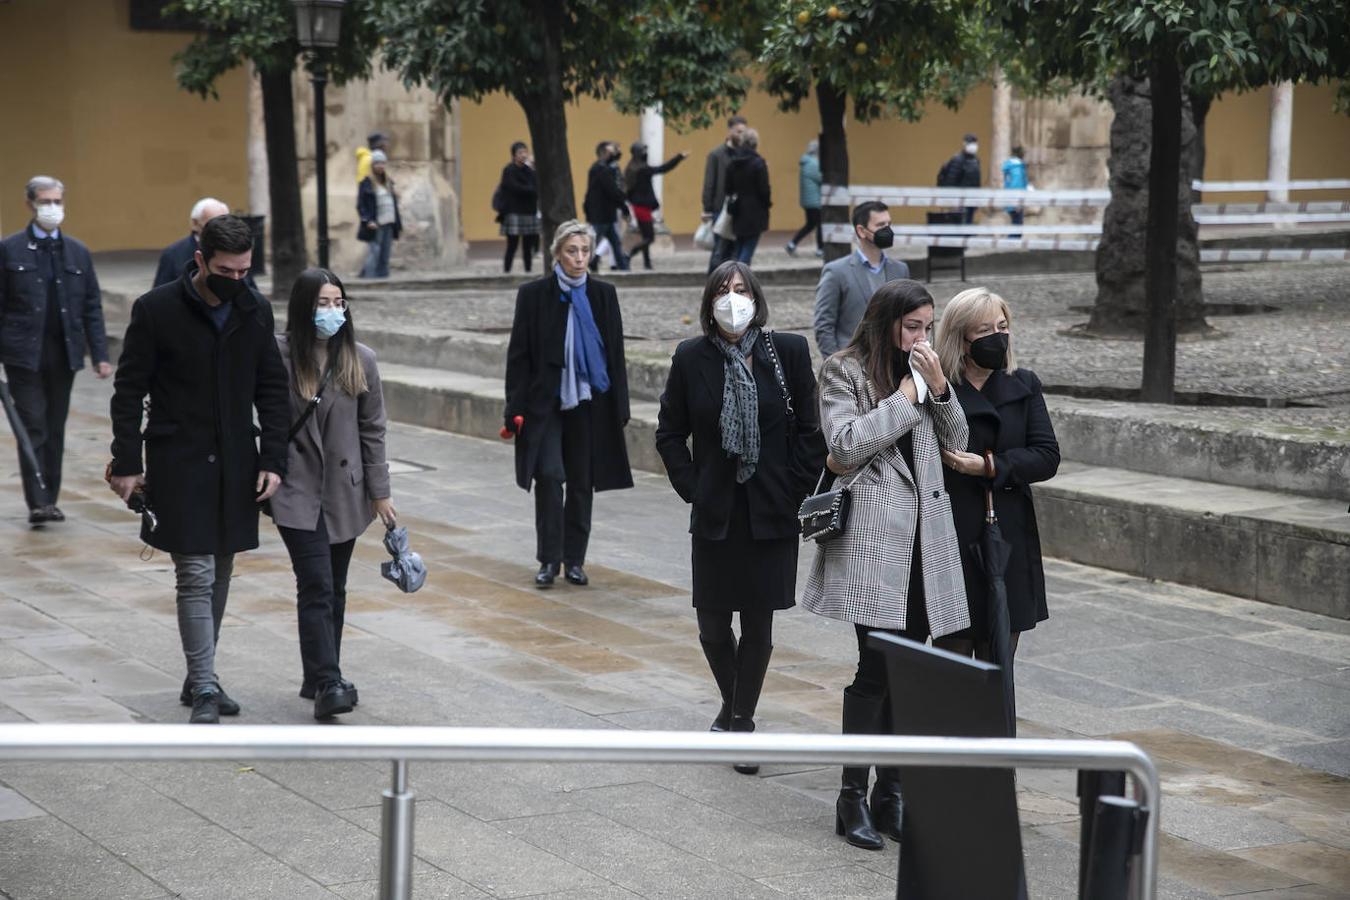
(50, 215)
(733, 312)
(972, 149)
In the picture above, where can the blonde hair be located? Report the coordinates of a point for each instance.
(967, 308)
(570, 229)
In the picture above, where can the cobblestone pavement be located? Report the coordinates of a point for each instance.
(1300, 350)
(1245, 707)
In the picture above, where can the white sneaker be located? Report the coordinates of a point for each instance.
(791, 249)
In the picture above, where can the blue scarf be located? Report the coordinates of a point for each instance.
(589, 355)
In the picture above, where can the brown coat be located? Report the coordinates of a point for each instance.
(336, 461)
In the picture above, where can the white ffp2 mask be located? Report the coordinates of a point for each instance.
(50, 216)
(733, 312)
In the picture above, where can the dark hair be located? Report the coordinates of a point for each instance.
(638, 149)
(375, 138)
(862, 213)
(736, 120)
(1018, 151)
(347, 372)
(969, 137)
(873, 344)
(225, 234)
(520, 145)
(720, 278)
(600, 148)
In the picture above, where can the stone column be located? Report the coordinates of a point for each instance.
(652, 132)
(259, 199)
(1000, 140)
(1281, 129)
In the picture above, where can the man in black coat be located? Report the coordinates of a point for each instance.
(605, 201)
(748, 182)
(715, 170)
(203, 350)
(175, 257)
(963, 170)
(50, 312)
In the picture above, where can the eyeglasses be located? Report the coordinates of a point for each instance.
(333, 304)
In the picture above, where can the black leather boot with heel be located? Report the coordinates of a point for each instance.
(888, 809)
(752, 662)
(721, 656)
(852, 817)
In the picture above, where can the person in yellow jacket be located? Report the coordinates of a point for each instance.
(377, 140)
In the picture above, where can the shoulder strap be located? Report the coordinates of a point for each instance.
(778, 373)
(313, 403)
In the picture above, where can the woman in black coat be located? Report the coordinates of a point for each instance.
(567, 400)
(1005, 409)
(642, 196)
(517, 205)
(747, 396)
(748, 181)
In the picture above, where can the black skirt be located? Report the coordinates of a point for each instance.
(741, 573)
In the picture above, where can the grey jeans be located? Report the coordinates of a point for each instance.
(203, 587)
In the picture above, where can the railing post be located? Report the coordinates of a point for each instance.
(1092, 785)
(1115, 847)
(396, 837)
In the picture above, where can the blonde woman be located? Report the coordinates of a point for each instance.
(1005, 411)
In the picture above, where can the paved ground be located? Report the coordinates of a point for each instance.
(1246, 708)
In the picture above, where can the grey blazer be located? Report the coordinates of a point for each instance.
(861, 576)
(841, 299)
(336, 463)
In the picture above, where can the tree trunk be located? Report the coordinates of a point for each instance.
(546, 115)
(833, 160)
(287, 226)
(1121, 309)
(1160, 339)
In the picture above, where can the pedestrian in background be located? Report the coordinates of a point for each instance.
(380, 223)
(337, 479)
(808, 190)
(1005, 411)
(847, 284)
(376, 140)
(203, 350)
(748, 188)
(175, 257)
(642, 196)
(567, 380)
(896, 567)
(518, 202)
(51, 314)
(715, 171)
(605, 202)
(747, 397)
(1015, 178)
(963, 171)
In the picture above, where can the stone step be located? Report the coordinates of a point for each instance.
(1243, 447)
(1266, 545)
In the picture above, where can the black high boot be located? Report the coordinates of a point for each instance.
(852, 818)
(721, 657)
(888, 809)
(752, 661)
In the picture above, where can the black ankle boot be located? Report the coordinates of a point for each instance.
(721, 656)
(752, 662)
(888, 809)
(852, 817)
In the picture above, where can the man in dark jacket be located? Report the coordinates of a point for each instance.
(50, 312)
(202, 349)
(715, 187)
(177, 255)
(605, 201)
(748, 182)
(963, 170)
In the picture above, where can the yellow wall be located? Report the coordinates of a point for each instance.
(879, 153)
(91, 102)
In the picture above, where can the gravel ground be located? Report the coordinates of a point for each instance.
(1299, 352)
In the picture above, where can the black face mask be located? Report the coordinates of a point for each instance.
(990, 351)
(883, 237)
(227, 290)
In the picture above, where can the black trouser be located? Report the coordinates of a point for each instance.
(812, 224)
(714, 625)
(527, 248)
(321, 599)
(43, 401)
(563, 527)
(648, 231)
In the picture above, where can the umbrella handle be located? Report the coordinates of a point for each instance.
(988, 487)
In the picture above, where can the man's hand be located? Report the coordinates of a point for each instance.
(965, 463)
(103, 369)
(706, 217)
(268, 482)
(125, 485)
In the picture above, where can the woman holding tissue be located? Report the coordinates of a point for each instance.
(337, 480)
(887, 411)
(747, 397)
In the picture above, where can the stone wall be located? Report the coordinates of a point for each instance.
(1068, 141)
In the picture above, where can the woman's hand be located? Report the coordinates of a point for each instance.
(834, 467)
(384, 508)
(965, 463)
(924, 358)
(907, 388)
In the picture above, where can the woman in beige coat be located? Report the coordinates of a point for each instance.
(897, 566)
(337, 480)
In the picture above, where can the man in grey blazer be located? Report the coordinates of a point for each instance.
(847, 284)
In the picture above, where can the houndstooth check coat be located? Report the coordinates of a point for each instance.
(862, 575)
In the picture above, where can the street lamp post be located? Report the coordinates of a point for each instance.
(318, 24)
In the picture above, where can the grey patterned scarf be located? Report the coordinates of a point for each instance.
(740, 405)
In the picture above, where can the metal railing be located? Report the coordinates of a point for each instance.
(399, 745)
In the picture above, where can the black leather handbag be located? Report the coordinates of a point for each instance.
(824, 515)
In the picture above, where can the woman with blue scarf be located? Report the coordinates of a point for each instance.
(567, 401)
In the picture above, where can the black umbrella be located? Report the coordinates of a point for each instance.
(993, 552)
(31, 469)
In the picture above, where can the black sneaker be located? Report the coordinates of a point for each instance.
(54, 514)
(38, 517)
(228, 706)
(205, 707)
(309, 691)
